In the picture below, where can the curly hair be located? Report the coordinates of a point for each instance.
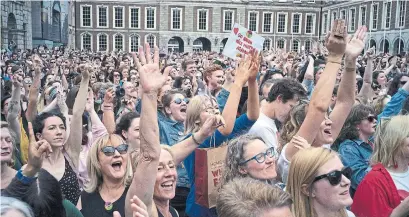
(349, 130)
(209, 70)
(293, 123)
(235, 154)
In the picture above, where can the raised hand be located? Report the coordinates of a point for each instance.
(370, 53)
(255, 65)
(138, 207)
(61, 100)
(109, 96)
(210, 126)
(151, 78)
(89, 106)
(336, 41)
(243, 71)
(356, 43)
(37, 151)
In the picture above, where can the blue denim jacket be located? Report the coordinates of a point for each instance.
(310, 87)
(356, 154)
(221, 99)
(395, 105)
(241, 126)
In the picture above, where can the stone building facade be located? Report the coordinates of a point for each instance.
(181, 25)
(16, 23)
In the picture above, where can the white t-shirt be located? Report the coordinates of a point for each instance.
(350, 214)
(401, 180)
(265, 128)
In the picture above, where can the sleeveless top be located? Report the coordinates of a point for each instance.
(172, 211)
(94, 206)
(70, 187)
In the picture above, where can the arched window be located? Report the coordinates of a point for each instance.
(133, 43)
(151, 40)
(281, 43)
(307, 45)
(295, 46)
(102, 42)
(267, 44)
(86, 42)
(118, 42)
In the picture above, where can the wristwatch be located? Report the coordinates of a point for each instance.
(24, 179)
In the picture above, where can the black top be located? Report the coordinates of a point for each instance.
(172, 211)
(94, 206)
(70, 186)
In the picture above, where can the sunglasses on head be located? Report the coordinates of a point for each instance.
(371, 118)
(110, 150)
(335, 177)
(179, 101)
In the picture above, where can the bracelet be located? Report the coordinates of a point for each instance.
(194, 139)
(336, 62)
(24, 179)
(350, 69)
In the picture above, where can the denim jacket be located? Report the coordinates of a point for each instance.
(395, 105)
(356, 154)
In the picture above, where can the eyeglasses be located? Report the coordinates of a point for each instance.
(335, 177)
(110, 150)
(179, 101)
(371, 118)
(261, 157)
(116, 75)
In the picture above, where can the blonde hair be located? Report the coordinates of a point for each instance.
(389, 140)
(94, 168)
(194, 108)
(247, 197)
(303, 170)
(208, 71)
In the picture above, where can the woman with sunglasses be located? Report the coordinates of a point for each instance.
(319, 184)
(249, 156)
(109, 172)
(355, 142)
(384, 191)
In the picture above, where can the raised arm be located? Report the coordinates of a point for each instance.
(108, 118)
(346, 93)
(366, 90)
(73, 145)
(253, 104)
(321, 97)
(34, 90)
(152, 80)
(14, 109)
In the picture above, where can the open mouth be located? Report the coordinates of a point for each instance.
(183, 110)
(5, 153)
(117, 165)
(328, 132)
(168, 184)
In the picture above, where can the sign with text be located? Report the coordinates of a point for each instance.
(241, 41)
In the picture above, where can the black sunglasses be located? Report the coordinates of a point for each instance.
(110, 150)
(179, 101)
(261, 157)
(335, 177)
(371, 118)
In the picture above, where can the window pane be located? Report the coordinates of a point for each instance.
(296, 45)
(374, 16)
(119, 17)
(150, 18)
(310, 24)
(387, 7)
(280, 44)
(86, 16)
(296, 23)
(102, 41)
(134, 17)
(134, 40)
(228, 20)
(402, 9)
(176, 18)
(103, 16)
(86, 42)
(307, 45)
(253, 21)
(267, 44)
(151, 41)
(351, 20)
(203, 20)
(119, 41)
(363, 16)
(267, 22)
(281, 23)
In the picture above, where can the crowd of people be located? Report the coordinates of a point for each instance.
(320, 133)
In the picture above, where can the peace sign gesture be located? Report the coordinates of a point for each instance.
(37, 150)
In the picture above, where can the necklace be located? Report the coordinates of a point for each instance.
(108, 206)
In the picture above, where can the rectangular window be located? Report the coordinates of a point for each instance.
(176, 18)
(333, 17)
(296, 23)
(400, 15)
(228, 19)
(102, 42)
(362, 16)
(387, 15)
(86, 16)
(253, 21)
(309, 23)
(324, 24)
(281, 23)
(202, 19)
(351, 19)
(267, 22)
(297, 1)
(311, 1)
(374, 16)
(119, 17)
(134, 18)
(343, 15)
(150, 18)
(102, 16)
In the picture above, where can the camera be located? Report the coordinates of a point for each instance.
(119, 92)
